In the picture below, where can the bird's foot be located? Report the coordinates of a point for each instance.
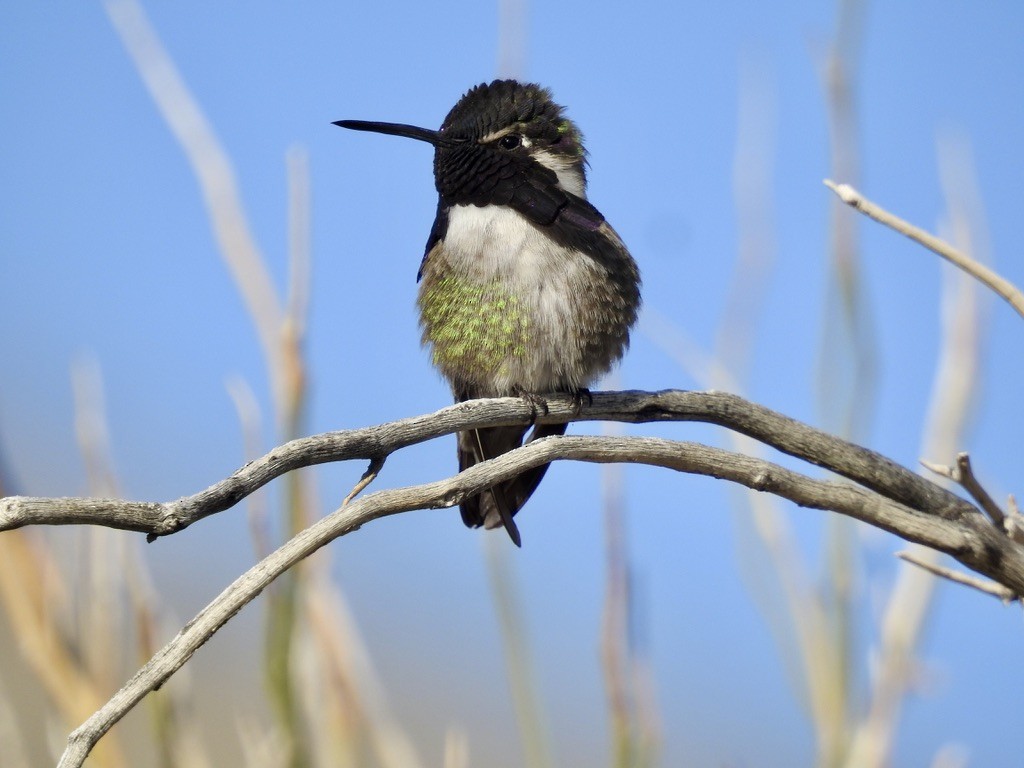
(578, 396)
(538, 405)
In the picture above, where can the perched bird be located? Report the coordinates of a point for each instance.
(525, 289)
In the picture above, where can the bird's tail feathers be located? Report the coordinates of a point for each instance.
(498, 504)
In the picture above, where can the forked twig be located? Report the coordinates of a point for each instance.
(963, 476)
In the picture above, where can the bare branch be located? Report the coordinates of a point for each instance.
(942, 470)
(368, 477)
(983, 585)
(997, 283)
(934, 531)
(948, 524)
(861, 465)
(686, 457)
(966, 478)
(963, 475)
(1014, 522)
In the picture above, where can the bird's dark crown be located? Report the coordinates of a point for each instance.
(503, 105)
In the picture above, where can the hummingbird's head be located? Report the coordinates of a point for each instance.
(516, 124)
(497, 139)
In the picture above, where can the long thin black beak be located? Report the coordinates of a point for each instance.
(394, 129)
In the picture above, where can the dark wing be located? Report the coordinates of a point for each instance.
(471, 174)
(535, 194)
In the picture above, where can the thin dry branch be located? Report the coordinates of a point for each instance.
(861, 465)
(970, 482)
(1013, 524)
(889, 497)
(935, 531)
(982, 585)
(368, 477)
(935, 517)
(963, 475)
(997, 283)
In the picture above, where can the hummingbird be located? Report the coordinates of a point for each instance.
(524, 288)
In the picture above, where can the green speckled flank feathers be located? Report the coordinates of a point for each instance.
(471, 327)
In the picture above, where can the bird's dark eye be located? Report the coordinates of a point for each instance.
(511, 141)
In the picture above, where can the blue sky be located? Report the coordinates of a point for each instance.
(106, 251)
